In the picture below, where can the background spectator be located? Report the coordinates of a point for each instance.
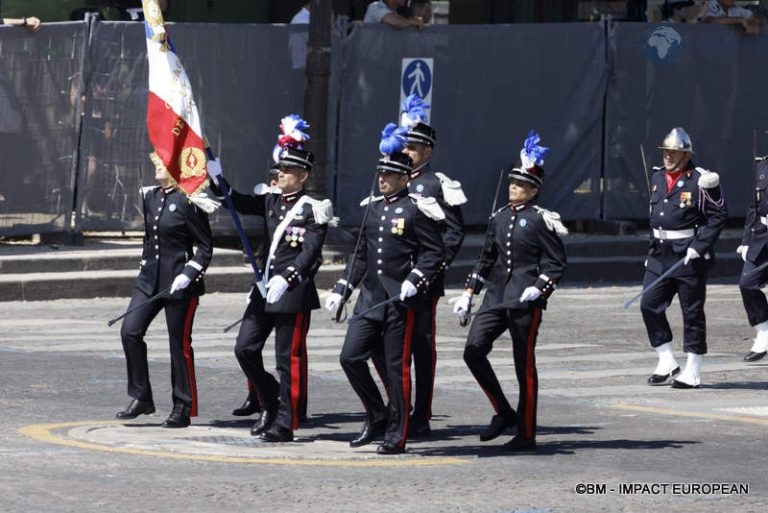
(725, 12)
(386, 12)
(678, 11)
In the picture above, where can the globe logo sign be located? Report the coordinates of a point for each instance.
(661, 44)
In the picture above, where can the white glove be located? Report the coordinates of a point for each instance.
(530, 294)
(691, 254)
(214, 170)
(180, 282)
(407, 290)
(742, 250)
(461, 308)
(332, 302)
(276, 288)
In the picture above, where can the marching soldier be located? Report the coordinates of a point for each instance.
(174, 224)
(421, 139)
(400, 251)
(525, 255)
(251, 404)
(687, 213)
(754, 252)
(296, 229)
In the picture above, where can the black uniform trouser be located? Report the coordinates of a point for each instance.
(393, 336)
(691, 290)
(424, 362)
(753, 298)
(179, 317)
(424, 350)
(523, 326)
(290, 358)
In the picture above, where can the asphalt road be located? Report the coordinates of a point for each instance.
(607, 441)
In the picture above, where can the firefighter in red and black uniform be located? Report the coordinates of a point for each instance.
(296, 229)
(177, 250)
(522, 260)
(400, 251)
(687, 214)
(754, 252)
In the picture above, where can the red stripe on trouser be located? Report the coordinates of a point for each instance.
(406, 372)
(187, 349)
(299, 337)
(530, 369)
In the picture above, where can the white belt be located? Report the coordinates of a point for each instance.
(764, 220)
(662, 234)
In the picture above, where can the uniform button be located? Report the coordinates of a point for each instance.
(661, 213)
(157, 217)
(666, 201)
(381, 228)
(509, 243)
(155, 237)
(378, 250)
(272, 266)
(509, 252)
(378, 272)
(378, 261)
(157, 247)
(281, 217)
(154, 227)
(381, 239)
(159, 209)
(157, 257)
(509, 262)
(383, 218)
(386, 209)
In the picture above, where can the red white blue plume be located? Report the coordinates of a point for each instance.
(413, 111)
(292, 134)
(532, 154)
(393, 139)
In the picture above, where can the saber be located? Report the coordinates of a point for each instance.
(342, 303)
(654, 283)
(645, 169)
(374, 307)
(140, 305)
(464, 319)
(233, 325)
(756, 269)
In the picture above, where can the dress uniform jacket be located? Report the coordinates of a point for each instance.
(687, 208)
(398, 242)
(298, 254)
(172, 226)
(756, 239)
(521, 251)
(425, 182)
(756, 221)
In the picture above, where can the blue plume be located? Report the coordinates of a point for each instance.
(414, 111)
(392, 139)
(533, 154)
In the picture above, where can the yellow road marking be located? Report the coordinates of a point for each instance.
(702, 415)
(45, 433)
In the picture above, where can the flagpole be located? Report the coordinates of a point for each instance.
(226, 191)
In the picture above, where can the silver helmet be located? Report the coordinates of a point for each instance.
(677, 140)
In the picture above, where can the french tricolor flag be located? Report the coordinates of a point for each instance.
(173, 123)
